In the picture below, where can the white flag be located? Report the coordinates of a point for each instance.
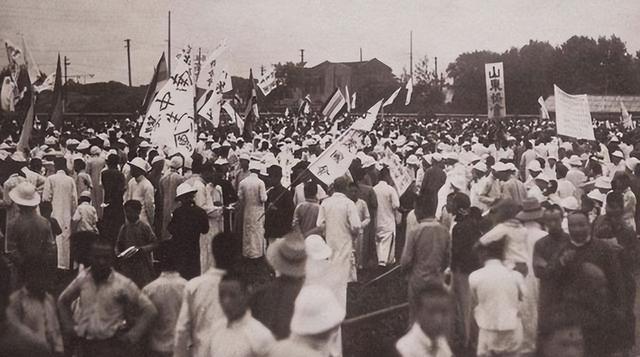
(211, 109)
(409, 91)
(268, 82)
(237, 119)
(391, 98)
(347, 98)
(627, 121)
(573, 116)
(543, 109)
(47, 84)
(336, 159)
(353, 101)
(366, 123)
(208, 72)
(169, 121)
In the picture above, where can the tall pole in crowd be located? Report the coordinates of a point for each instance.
(64, 92)
(410, 54)
(169, 46)
(302, 56)
(128, 42)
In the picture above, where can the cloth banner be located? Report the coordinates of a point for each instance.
(409, 87)
(336, 159)
(573, 117)
(626, 119)
(268, 82)
(544, 113)
(496, 104)
(392, 98)
(169, 122)
(400, 174)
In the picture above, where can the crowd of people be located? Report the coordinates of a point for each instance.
(513, 241)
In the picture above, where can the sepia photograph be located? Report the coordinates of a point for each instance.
(337, 178)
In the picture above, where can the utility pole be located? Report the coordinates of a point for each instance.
(436, 70)
(410, 54)
(360, 54)
(128, 45)
(302, 56)
(262, 70)
(64, 92)
(169, 45)
(66, 63)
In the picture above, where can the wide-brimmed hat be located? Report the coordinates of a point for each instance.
(25, 195)
(287, 255)
(140, 163)
(183, 189)
(316, 310)
(531, 210)
(317, 248)
(413, 160)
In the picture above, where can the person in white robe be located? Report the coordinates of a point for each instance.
(60, 190)
(388, 205)
(252, 194)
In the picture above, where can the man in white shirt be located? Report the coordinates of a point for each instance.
(140, 189)
(166, 295)
(497, 291)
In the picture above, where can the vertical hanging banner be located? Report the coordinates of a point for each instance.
(573, 117)
(169, 121)
(496, 104)
(400, 174)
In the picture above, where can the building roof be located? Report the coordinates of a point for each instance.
(353, 65)
(604, 103)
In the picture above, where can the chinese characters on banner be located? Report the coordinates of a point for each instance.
(400, 174)
(169, 121)
(336, 159)
(573, 117)
(215, 80)
(496, 105)
(268, 82)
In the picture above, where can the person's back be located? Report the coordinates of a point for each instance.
(426, 251)
(200, 308)
(166, 294)
(339, 215)
(496, 289)
(30, 232)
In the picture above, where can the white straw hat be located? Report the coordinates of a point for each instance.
(316, 311)
(25, 195)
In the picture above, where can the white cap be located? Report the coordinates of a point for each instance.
(184, 188)
(317, 248)
(316, 310)
(140, 163)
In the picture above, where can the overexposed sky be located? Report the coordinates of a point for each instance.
(261, 32)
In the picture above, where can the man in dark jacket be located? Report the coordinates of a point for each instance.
(273, 305)
(279, 212)
(186, 225)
